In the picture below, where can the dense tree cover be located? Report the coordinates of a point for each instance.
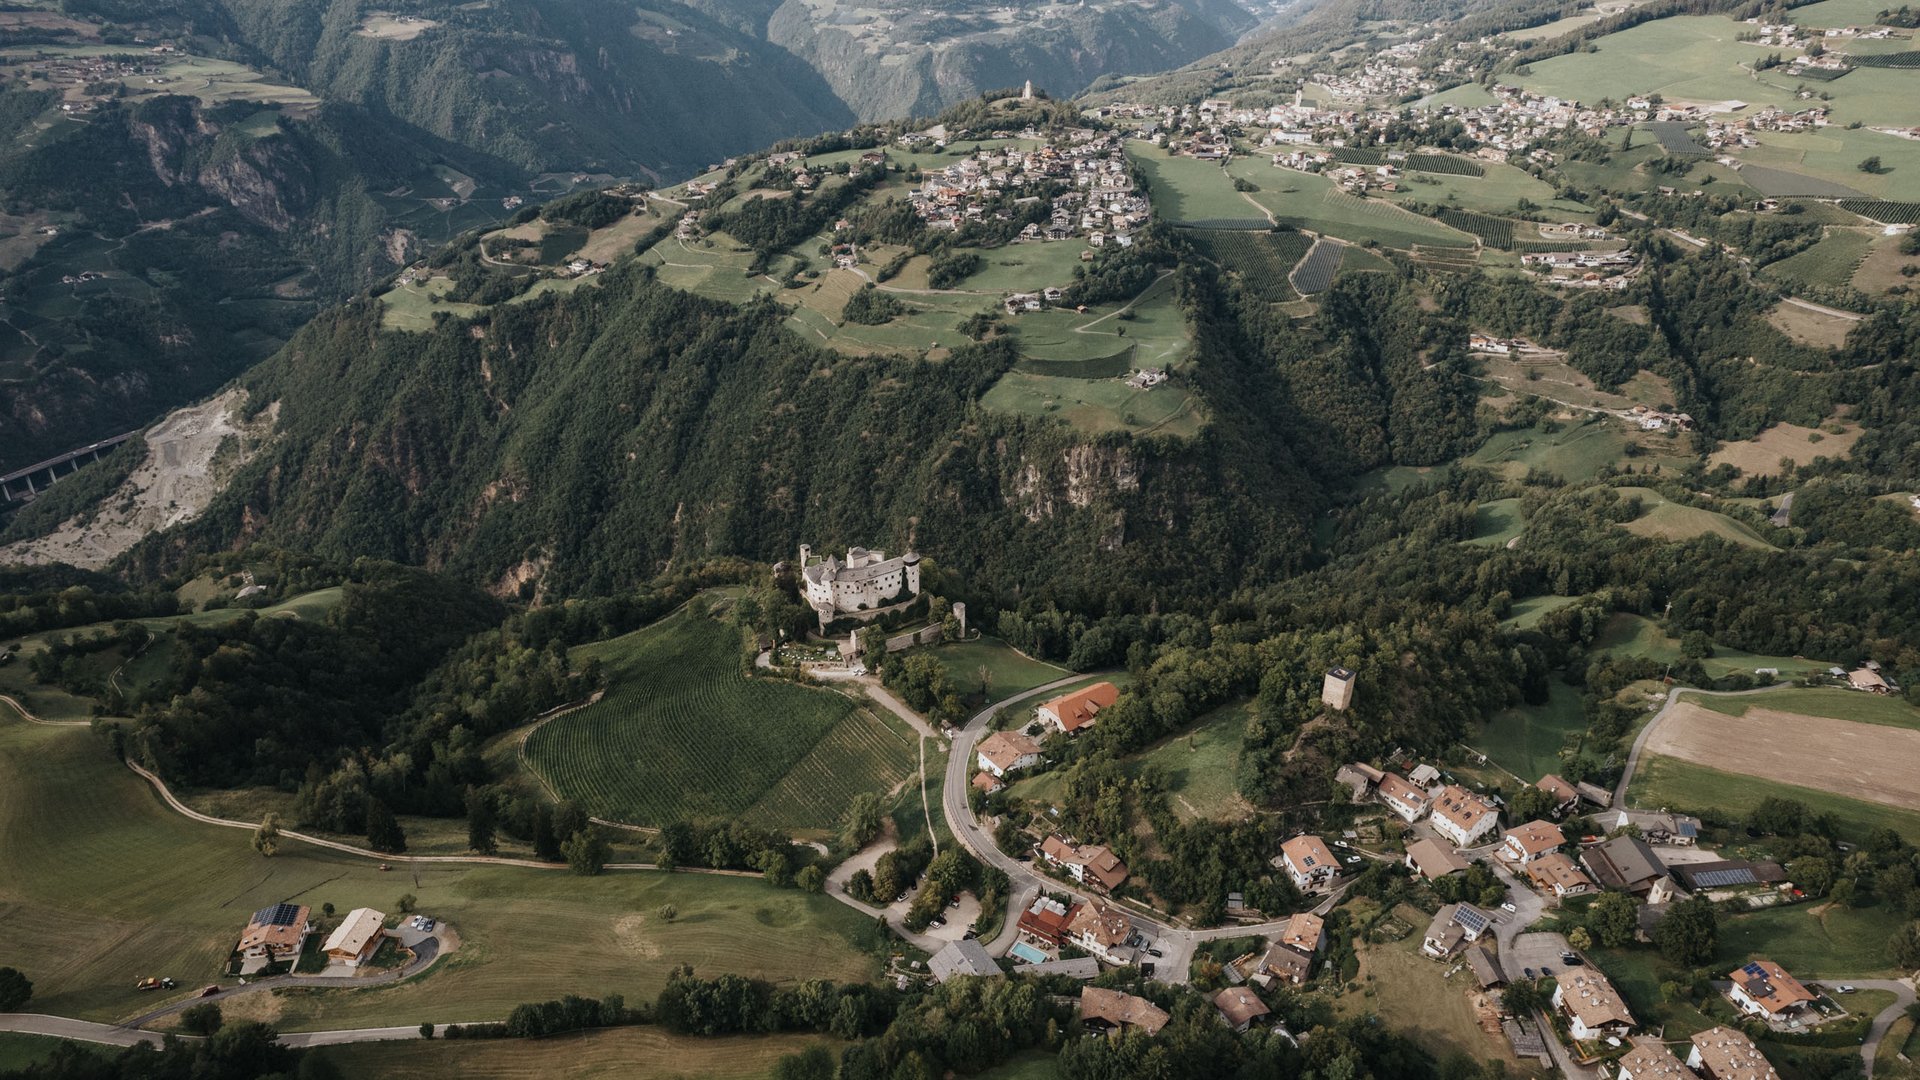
(243, 1050)
(735, 1004)
(871, 307)
(54, 598)
(772, 225)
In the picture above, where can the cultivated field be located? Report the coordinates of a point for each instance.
(1682, 785)
(1310, 201)
(643, 1053)
(1761, 455)
(1824, 701)
(1419, 1000)
(1829, 263)
(101, 884)
(1810, 327)
(682, 734)
(1188, 190)
(1871, 762)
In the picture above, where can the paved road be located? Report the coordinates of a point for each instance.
(1903, 996)
(1176, 944)
(1673, 698)
(61, 1027)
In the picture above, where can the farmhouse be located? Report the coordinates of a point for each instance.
(1534, 840)
(1239, 1007)
(1867, 679)
(1625, 863)
(1725, 1054)
(1068, 713)
(1111, 1010)
(1565, 795)
(1090, 863)
(1453, 926)
(965, 957)
(1463, 817)
(277, 931)
(1557, 874)
(1651, 1060)
(987, 783)
(1594, 1008)
(1307, 860)
(357, 937)
(1305, 933)
(1433, 860)
(867, 580)
(1763, 988)
(1007, 751)
(1403, 798)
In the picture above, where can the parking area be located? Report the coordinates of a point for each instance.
(1541, 952)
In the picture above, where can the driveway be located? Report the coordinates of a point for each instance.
(1903, 996)
(426, 949)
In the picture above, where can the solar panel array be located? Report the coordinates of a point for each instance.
(1716, 879)
(277, 915)
(1473, 919)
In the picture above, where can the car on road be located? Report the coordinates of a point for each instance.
(1529, 973)
(1846, 989)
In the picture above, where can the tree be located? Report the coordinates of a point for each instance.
(1904, 946)
(813, 1063)
(1812, 873)
(1871, 165)
(1529, 804)
(383, 829)
(480, 822)
(203, 1019)
(1696, 645)
(406, 903)
(15, 990)
(668, 913)
(546, 845)
(1690, 934)
(266, 838)
(861, 822)
(811, 879)
(587, 851)
(1579, 938)
(1613, 918)
(426, 1031)
(327, 909)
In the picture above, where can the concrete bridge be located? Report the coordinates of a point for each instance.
(23, 484)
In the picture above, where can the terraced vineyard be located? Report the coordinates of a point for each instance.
(682, 734)
(1887, 213)
(1316, 271)
(1262, 260)
(1494, 231)
(1447, 260)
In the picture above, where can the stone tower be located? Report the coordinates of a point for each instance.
(911, 562)
(1027, 93)
(1337, 691)
(960, 616)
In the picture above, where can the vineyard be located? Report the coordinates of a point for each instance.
(1355, 155)
(1495, 232)
(1887, 213)
(1226, 224)
(1905, 60)
(682, 734)
(1445, 164)
(1676, 139)
(1316, 271)
(1261, 259)
(1446, 260)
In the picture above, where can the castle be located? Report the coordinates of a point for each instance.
(867, 580)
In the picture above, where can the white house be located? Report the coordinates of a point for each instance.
(1007, 751)
(1763, 988)
(1307, 860)
(1403, 798)
(1534, 840)
(1463, 817)
(1594, 1008)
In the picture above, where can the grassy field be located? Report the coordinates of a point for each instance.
(412, 307)
(1833, 153)
(1008, 672)
(1202, 764)
(1410, 992)
(1681, 785)
(1812, 940)
(100, 885)
(1637, 635)
(1527, 613)
(1496, 522)
(1029, 1066)
(19, 1051)
(1310, 201)
(1664, 520)
(1573, 453)
(1526, 739)
(1188, 189)
(1810, 701)
(1154, 326)
(682, 734)
(1098, 406)
(1499, 190)
(1829, 263)
(645, 1053)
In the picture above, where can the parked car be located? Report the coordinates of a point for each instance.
(1546, 973)
(1509, 908)
(1156, 953)
(1353, 858)
(1529, 973)
(1845, 989)
(1571, 959)
(210, 991)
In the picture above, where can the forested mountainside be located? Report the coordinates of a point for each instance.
(165, 244)
(586, 443)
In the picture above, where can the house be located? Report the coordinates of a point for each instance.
(1558, 875)
(1867, 679)
(1651, 1060)
(357, 937)
(1403, 798)
(1593, 1007)
(277, 931)
(1286, 965)
(1111, 1010)
(1625, 863)
(1240, 1007)
(1679, 830)
(1307, 860)
(1763, 988)
(1007, 751)
(1359, 778)
(1534, 840)
(987, 783)
(1068, 713)
(964, 957)
(1305, 933)
(1453, 926)
(1565, 795)
(1088, 863)
(1725, 1054)
(1433, 860)
(1102, 931)
(1424, 776)
(1045, 922)
(1463, 817)
(1594, 794)
(1728, 874)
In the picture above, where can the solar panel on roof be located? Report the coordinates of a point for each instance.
(1754, 969)
(1471, 918)
(277, 915)
(1714, 879)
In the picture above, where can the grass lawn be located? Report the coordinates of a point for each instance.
(1499, 191)
(1812, 701)
(1188, 189)
(1409, 992)
(1496, 522)
(1153, 325)
(1526, 614)
(1663, 520)
(1575, 453)
(1310, 201)
(682, 734)
(1032, 1065)
(1637, 635)
(19, 1051)
(1526, 739)
(1833, 153)
(412, 307)
(1202, 763)
(1682, 785)
(1812, 940)
(1098, 406)
(641, 1052)
(101, 884)
(1008, 672)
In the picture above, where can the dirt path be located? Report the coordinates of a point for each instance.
(32, 719)
(1659, 718)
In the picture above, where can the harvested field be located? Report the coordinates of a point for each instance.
(1760, 455)
(1810, 327)
(1872, 762)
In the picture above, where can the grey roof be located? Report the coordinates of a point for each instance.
(1624, 862)
(966, 957)
(1485, 967)
(1080, 967)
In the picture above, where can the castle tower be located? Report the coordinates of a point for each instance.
(1337, 691)
(853, 643)
(805, 552)
(960, 616)
(1027, 94)
(911, 561)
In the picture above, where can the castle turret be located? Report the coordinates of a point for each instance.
(911, 562)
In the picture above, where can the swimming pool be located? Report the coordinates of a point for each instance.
(1027, 953)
